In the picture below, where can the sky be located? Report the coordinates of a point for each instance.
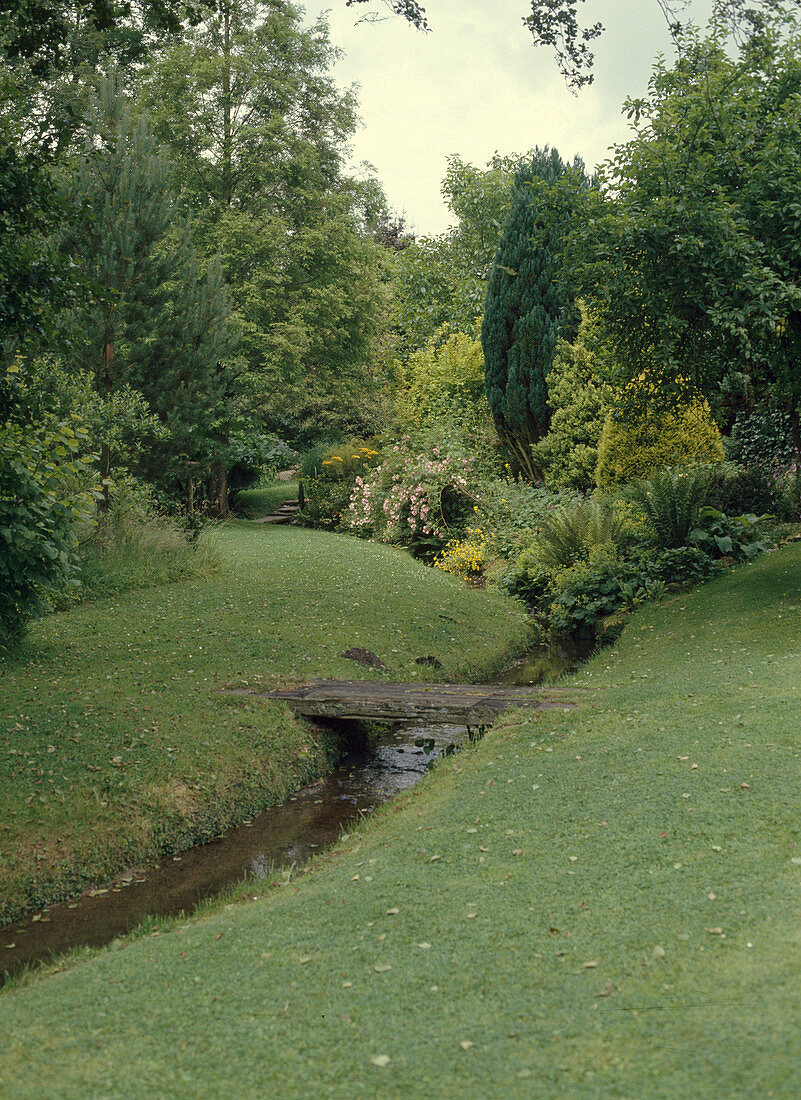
(476, 85)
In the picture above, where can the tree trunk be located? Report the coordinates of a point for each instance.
(219, 489)
(105, 450)
(227, 149)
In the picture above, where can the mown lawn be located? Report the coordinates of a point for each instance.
(255, 503)
(116, 741)
(601, 902)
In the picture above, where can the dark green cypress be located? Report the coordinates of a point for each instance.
(527, 307)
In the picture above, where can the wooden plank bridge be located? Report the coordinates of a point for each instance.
(458, 704)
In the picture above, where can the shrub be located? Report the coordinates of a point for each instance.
(326, 496)
(46, 495)
(528, 579)
(512, 512)
(446, 383)
(466, 558)
(762, 439)
(419, 496)
(634, 445)
(734, 489)
(584, 595)
(683, 566)
(579, 403)
(737, 537)
(671, 501)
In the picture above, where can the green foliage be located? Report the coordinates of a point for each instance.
(34, 280)
(683, 566)
(46, 495)
(512, 512)
(737, 537)
(339, 471)
(156, 321)
(587, 593)
(579, 401)
(445, 382)
(762, 439)
(135, 545)
(735, 489)
(263, 171)
(443, 280)
(634, 443)
(254, 456)
(581, 531)
(527, 307)
(528, 579)
(671, 501)
(695, 252)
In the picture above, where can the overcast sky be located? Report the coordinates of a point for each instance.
(476, 85)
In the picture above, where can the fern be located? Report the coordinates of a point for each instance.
(671, 500)
(570, 535)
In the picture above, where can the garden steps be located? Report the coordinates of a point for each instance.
(459, 704)
(285, 513)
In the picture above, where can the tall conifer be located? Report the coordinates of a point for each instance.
(527, 308)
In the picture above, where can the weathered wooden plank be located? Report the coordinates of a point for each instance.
(465, 704)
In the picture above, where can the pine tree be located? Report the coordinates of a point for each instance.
(156, 319)
(527, 308)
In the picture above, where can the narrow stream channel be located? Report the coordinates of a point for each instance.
(280, 836)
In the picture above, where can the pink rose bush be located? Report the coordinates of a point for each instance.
(413, 498)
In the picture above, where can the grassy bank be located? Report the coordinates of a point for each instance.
(117, 743)
(595, 903)
(255, 503)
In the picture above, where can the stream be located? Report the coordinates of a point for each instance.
(281, 836)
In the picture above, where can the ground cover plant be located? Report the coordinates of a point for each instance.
(117, 742)
(593, 902)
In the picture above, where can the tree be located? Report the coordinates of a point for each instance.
(257, 126)
(528, 307)
(443, 280)
(155, 319)
(46, 490)
(696, 255)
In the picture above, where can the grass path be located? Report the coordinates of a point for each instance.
(602, 903)
(115, 741)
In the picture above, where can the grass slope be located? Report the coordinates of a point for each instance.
(116, 742)
(596, 903)
(256, 503)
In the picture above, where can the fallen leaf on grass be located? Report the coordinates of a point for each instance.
(424, 946)
(465, 1044)
(392, 912)
(591, 965)
(380, 1060)
(715, 931)
(381, 968)
(434, 859)
(606, 991)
